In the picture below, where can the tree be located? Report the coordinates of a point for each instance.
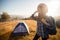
(5, 16)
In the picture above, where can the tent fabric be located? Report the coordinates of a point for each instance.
(21, 29)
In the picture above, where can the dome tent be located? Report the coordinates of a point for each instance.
(21, 29)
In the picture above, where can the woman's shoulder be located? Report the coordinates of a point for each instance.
(50, 18)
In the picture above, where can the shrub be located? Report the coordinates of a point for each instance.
(58, 23)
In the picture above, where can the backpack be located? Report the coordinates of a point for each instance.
(52, 22)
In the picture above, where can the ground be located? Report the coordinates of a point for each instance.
(7, 27)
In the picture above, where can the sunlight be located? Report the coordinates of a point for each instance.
(52, 8)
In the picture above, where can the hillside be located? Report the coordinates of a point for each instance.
(7, 27)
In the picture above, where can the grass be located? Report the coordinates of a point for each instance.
(7, 27)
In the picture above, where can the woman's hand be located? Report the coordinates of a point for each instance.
(44, 21)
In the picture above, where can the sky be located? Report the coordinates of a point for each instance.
(27, 7)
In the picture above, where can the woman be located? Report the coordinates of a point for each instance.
(44, 23)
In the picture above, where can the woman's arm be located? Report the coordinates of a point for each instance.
(32, 16)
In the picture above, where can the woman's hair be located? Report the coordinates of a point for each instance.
(41, 5)
(44, 6)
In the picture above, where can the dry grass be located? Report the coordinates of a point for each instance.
(7, 27)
